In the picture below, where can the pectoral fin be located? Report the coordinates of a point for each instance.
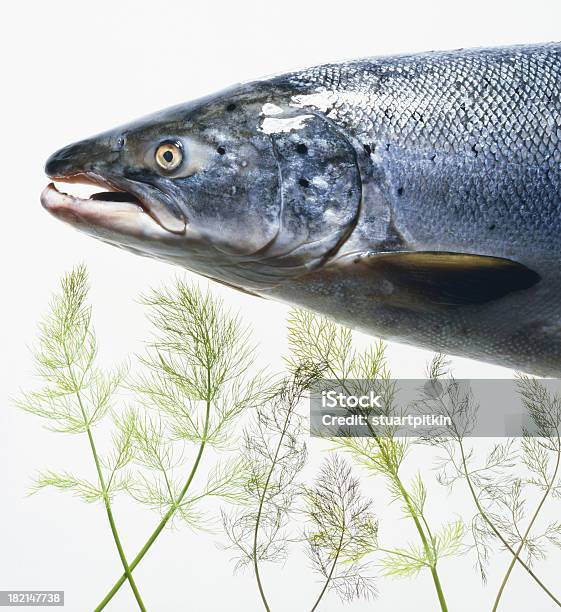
(439, 278)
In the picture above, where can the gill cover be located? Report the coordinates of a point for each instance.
(320, 187)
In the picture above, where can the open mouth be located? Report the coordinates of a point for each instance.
(57, 201)
(116, 210)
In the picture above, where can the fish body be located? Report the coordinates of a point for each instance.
(415, 197)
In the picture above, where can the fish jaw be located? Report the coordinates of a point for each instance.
(105, 219)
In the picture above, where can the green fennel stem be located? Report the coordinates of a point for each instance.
(497, 533)
(166, 517)
(412, 511)
(255, 562)
(395, 476)
(106, 501)
(114, 531)
(527, 532)
(330, 575)
(260, 512)
(422, 535)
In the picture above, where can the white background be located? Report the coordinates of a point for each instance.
(71, 69)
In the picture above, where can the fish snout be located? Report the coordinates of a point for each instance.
(78, 158)
(62, 162)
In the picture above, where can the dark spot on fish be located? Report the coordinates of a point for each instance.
(388, 145)
(231, 107)
(301, 148)
(221, 150)
(432, 157)
(349, 193)
(492, 226)
(304, 182)
(400, 191)
(142, 175)
(368, 149)
(474, 149)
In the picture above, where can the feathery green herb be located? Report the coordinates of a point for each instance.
(341, 527)
(192, 393)
(542, 457)
(343, 530)
(76, 397)
(195, 388)
(494, 483)
(327, 347)
(275, 454)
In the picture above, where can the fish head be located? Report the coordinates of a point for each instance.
(241, 187)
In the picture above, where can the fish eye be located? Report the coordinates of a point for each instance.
(169, 155)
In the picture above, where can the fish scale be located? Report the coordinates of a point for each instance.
(490, 119)
(459, 95)
(468, 145)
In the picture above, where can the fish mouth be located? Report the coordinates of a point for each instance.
(113, 210)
